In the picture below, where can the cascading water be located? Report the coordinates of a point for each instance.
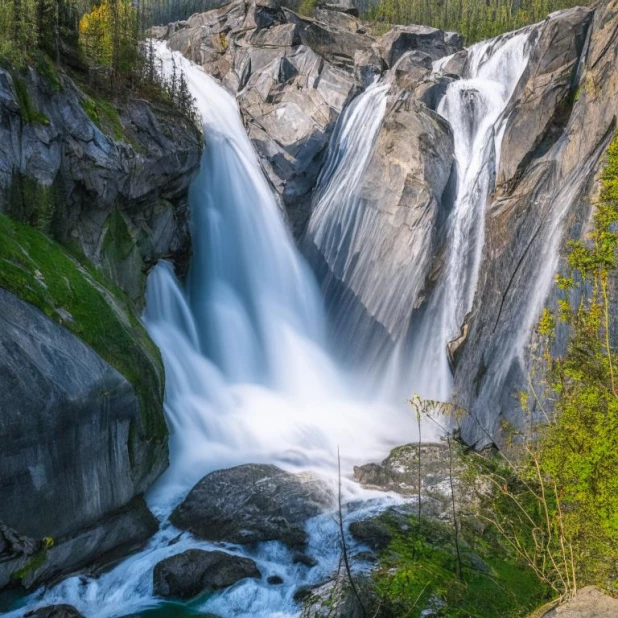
(247, 376)
(474, 108)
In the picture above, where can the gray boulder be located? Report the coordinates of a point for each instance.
(399, 471)
(589, 602)
(200, 572)
(343, 6)
(371, 533)
(252, 503)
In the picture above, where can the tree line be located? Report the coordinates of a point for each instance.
(105, 39)
(475, 19)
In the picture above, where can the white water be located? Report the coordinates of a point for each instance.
(474, 108)
(247, 377)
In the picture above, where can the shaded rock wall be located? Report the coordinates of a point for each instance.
(115, 190)
(82, 430)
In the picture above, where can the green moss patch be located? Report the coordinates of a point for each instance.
(41, 272)
(105, 116)
(26, 108)
(418, 572)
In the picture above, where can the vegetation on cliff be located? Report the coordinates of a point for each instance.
(40, 271)
(475, 19)
(552, 494)
(418, 572)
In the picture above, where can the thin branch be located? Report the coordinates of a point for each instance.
(344, 548)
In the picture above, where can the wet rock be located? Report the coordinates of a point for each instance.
(411, 69)
(399, 197)
(274, 580)
(54, 611)
(371, 533)
(456, 64)
(252, 503)
(453, 41)
(305, 560)
(200, 572)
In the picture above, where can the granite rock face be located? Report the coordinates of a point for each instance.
(64, 431)
(293, 76)
(118, 194)
(558, 127)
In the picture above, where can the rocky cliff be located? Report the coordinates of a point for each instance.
(558, 128)
(297, 82)
(90, 196)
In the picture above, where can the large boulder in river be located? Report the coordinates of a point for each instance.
(196, 571)
(252, 503)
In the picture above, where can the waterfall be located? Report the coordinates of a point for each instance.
(248, 377)
(474, 107)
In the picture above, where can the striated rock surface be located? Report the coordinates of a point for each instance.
(196, 571)
(373, 232)
(252, 503)
(66, 450)
(558, 128)
(293, 77)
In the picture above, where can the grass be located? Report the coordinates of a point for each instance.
(418, 572)
(43, 273)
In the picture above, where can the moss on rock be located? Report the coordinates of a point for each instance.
(417, 573)
(42, 272)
